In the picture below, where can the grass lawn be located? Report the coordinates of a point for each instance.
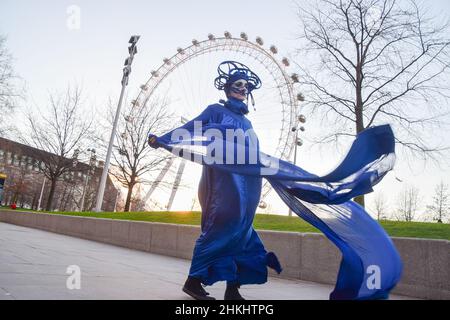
(274, 222)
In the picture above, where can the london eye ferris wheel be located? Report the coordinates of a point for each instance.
(187, 79)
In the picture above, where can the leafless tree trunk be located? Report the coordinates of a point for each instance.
(371, 62)
(380, 206)
(440, 207)
(59, 131)
(408, 203)
(137, 201)
(133, 161)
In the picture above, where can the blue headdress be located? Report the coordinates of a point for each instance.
(231, 71)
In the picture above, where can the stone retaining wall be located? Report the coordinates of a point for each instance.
(305, 256)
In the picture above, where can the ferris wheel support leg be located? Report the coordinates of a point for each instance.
(176, 183)
(158, 179)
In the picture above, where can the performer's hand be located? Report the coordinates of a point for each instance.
(152, 141)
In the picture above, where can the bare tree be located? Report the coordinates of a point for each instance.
(380, 206)
(120, 204)
(133, 161)
(9, 92)
(408, 203)
(137, 202)
(59, 131)
(440, 207)
(18, 186)
(371, 62)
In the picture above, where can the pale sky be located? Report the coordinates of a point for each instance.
(48, 54)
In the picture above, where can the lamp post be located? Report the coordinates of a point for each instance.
(117, 198)
(132, 50)
(92, 161)
(298, 141)
(40, 196)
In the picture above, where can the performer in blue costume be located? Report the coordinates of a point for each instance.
(229, 249)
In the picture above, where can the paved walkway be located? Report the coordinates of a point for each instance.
(33, 265)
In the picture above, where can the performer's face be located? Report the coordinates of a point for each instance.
(239, 89)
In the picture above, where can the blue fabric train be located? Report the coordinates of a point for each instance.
(229, 248)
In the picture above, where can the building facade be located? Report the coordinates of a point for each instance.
(22, 168)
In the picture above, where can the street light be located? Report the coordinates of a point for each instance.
(40, 196)
(132, 50)
(92, 162)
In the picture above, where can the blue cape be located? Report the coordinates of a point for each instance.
(370, 265)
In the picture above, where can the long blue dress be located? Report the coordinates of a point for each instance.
(230, 249)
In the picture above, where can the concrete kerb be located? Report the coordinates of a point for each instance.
(320, 259)
(66, 225)
(164, 239)
(7, 216)
(426, 272)
(305, 256)
(140, 235)
(14, 218)
(46, 222)
(120, 232)
(288, 248)
(186, 237)
(30, 220)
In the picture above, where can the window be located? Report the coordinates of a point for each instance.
(23, 161)
(35, 165)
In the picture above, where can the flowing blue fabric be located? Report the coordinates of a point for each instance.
(229, 192)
